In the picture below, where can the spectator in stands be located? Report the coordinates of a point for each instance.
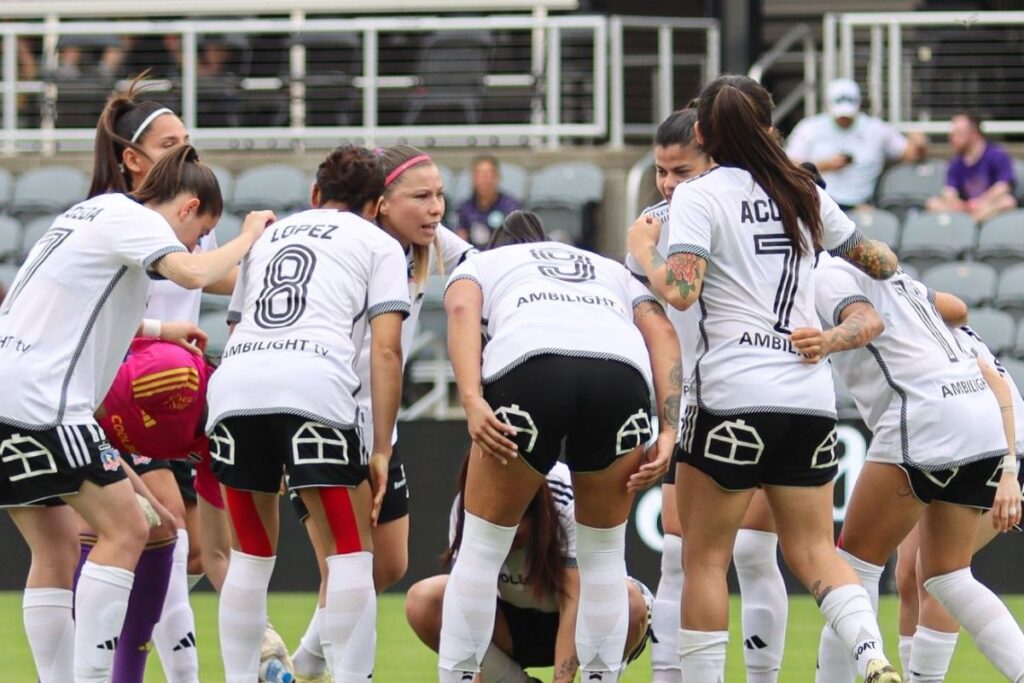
(849, 147)
(980, 178)
(482, 213)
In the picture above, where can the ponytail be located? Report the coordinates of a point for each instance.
(519, 227)
(734, 113)
(178, 171)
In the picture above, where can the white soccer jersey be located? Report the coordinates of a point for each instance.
(301, 293)
(756, 291)
(514, 585)
(920, 392)
(74, 307)
(170, 301)
(685, 322)
(453, 250)
(970, 340)
(550, 298)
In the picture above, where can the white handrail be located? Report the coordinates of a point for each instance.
(807, 89)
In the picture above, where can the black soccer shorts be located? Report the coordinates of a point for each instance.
(396, 497)
(972, 485)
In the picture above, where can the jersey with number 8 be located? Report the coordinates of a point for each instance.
(301, 292)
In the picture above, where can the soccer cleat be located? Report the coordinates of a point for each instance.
(879, 671)
(273, 647)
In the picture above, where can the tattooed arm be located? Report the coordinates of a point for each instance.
(677, 280)
(874, 258)
(566, 662)
(859, 324)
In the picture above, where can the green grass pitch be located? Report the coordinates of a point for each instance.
(402, 659)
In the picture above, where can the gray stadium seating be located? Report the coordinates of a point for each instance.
(451, 70)
(1015, 368)
(33, 230)
(909, 185)
(6, 186)
(279, 187)
(1010, 293)
(1001, 240)
(1018, 173)
(878, 224)
(910, 270)
(227, 228)
(7, 273)
(932, 238)
(975, 283)
(10, 237)
(996, 328)
(571, 181)
(226, 180)
(214, 323)
(50, 189)
(514, 181)
(1018, 343)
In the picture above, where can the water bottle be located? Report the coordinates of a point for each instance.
(274, 671)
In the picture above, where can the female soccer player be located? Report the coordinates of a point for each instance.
(410, 211)
(742, 240)
(562, 326)
(765, 604)
(937, 434)
(538, 590)
(66, 325)
(284, 399)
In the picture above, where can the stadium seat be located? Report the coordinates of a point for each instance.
(226, 180)
(1010, 293)
(50, 189)
(214, 323)
(279, 187)
(6, 187)
(996, 328)
(910, 270)
(878, 224)
(227, 228)
(215, 303)
(905, 186)
(1018, 174)
(514, 181)
(1015, 368)
(975, 283)
(7, 273)
(33, 230)
(10, 237)
(1001, 240)
(933, 238)
(333, 59)
(451, 70)
(572, 181)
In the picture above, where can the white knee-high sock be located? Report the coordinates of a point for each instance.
(101, 602)
(350, 617)
(930, 655)
(764, 601)
(467, 614)
(835, 663)
(667, 607)
(50, 631)
(985, 617)
(603, 619)
(702, 655)
(309, 659)
(906, 650)
(242, 614)
(847, 609)
(869, 575)
(498, 667)
(175, 634)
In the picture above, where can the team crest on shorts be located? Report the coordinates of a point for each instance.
(140, 459)
(109, 457)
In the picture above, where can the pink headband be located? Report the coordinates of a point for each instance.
(401, 168)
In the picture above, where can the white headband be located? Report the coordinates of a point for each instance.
(148, 120)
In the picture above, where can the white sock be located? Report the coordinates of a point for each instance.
(175, 634)
(50, 631)
(765, 603)
(309, 659)
(602, 622)
(350, 617)
(869, 575)
(985, 617)
(194, 579)
(702, 655)
(930, 655)
(101, 602)
(242, 615)
(835, 665)
(847, 609)
(498, 667)
(906, 647)
(470, 598)
(665, 617)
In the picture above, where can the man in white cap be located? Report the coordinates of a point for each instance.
(849, 147)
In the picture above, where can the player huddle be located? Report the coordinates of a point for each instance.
(558, 354)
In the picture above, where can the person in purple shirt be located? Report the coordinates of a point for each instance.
(486, 209)
(980, 179)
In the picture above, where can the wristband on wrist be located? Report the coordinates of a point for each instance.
(1010, 463)
(151, 328)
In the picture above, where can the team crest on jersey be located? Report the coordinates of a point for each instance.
(180, 401)
(514, 416)
(109, 457)
(734, 442)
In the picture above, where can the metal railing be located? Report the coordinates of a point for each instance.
(488, 80)
(920, 68)
(781, 52)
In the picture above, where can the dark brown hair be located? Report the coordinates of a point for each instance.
(677, 129)
(177, 171)
(735, 116)
(391, 158)
(545, 547)
(520, 227)
(118, 124)
(973, 119)
(350, 175)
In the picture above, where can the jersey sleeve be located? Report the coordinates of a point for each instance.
(690, 223)
(834, 290)
(839, 234)
(638, 293)
(454, 249)
(894, 142)
(237, 302)
(560, 487)
(388, 288)
(143, 239)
